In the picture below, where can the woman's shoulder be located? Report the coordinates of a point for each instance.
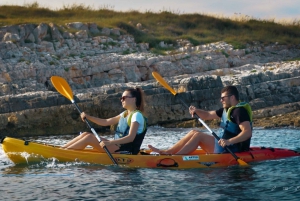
(123, 114)
(138, 113)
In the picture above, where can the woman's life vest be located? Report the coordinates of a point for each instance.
(123, 130)
(230, 129)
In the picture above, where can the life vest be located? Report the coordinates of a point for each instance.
(230, 129)
(123, 130)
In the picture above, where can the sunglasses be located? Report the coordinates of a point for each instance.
(124, 97)
(223, 97)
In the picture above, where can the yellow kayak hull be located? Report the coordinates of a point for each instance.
(27, 152)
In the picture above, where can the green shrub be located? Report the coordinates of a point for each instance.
(224, 53)
(126, 52)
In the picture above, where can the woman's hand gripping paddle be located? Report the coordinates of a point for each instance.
(167, 86)
(64, 89)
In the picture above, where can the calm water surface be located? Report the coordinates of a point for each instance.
(268, 180)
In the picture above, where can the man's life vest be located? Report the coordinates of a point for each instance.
(231, 129)
(123, 130)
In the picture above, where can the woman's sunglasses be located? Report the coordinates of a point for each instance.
(124, 97)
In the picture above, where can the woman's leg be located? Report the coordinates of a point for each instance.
(75, 139)
(79, 137)
(89, 139)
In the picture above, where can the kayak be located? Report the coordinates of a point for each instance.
(27, 152)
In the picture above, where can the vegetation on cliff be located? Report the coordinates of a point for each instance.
(164, 26)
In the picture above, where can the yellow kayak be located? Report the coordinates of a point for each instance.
(27, 152)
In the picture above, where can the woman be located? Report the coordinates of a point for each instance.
(130, 131)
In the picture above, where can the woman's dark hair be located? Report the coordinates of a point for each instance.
(138, 93)
(231, 90)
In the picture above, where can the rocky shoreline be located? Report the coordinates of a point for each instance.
(100, 63)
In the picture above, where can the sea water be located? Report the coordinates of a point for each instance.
(267, 180)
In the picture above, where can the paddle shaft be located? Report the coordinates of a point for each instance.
(95, 134)
(206, 126)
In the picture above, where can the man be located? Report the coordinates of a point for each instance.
(236, 127)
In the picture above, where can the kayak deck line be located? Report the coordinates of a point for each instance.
(29, 152)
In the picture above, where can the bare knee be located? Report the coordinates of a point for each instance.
(81, 136)
(84, 134)
(197, 134)
(89, 136)
(192, 132)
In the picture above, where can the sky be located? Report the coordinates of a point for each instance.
(260, 9)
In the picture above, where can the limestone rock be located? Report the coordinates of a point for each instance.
(41, 32)
(78, 26)
(98, 67)
(105, 31)
(93, 28)
(11, 37)
(55, 33)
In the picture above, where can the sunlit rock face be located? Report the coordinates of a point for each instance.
(99, 64)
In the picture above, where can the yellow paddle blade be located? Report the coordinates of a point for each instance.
(163, 82)
(62, 87)
(241, 162)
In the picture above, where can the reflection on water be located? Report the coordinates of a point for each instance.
(51, 180)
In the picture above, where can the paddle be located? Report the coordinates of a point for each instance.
(167, 86)
(64, 89)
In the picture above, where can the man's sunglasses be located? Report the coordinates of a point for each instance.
(223, 97)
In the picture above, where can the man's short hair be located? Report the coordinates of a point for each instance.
(231, 90)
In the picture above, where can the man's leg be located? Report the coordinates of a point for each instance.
(207, 143)
(189, 143)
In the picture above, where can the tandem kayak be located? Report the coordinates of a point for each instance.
(27, 152)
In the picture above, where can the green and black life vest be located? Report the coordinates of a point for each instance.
(123, 130)
(231, 129)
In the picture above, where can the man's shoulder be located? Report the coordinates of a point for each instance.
(238, 110)
(240, 113)
(219, 112)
